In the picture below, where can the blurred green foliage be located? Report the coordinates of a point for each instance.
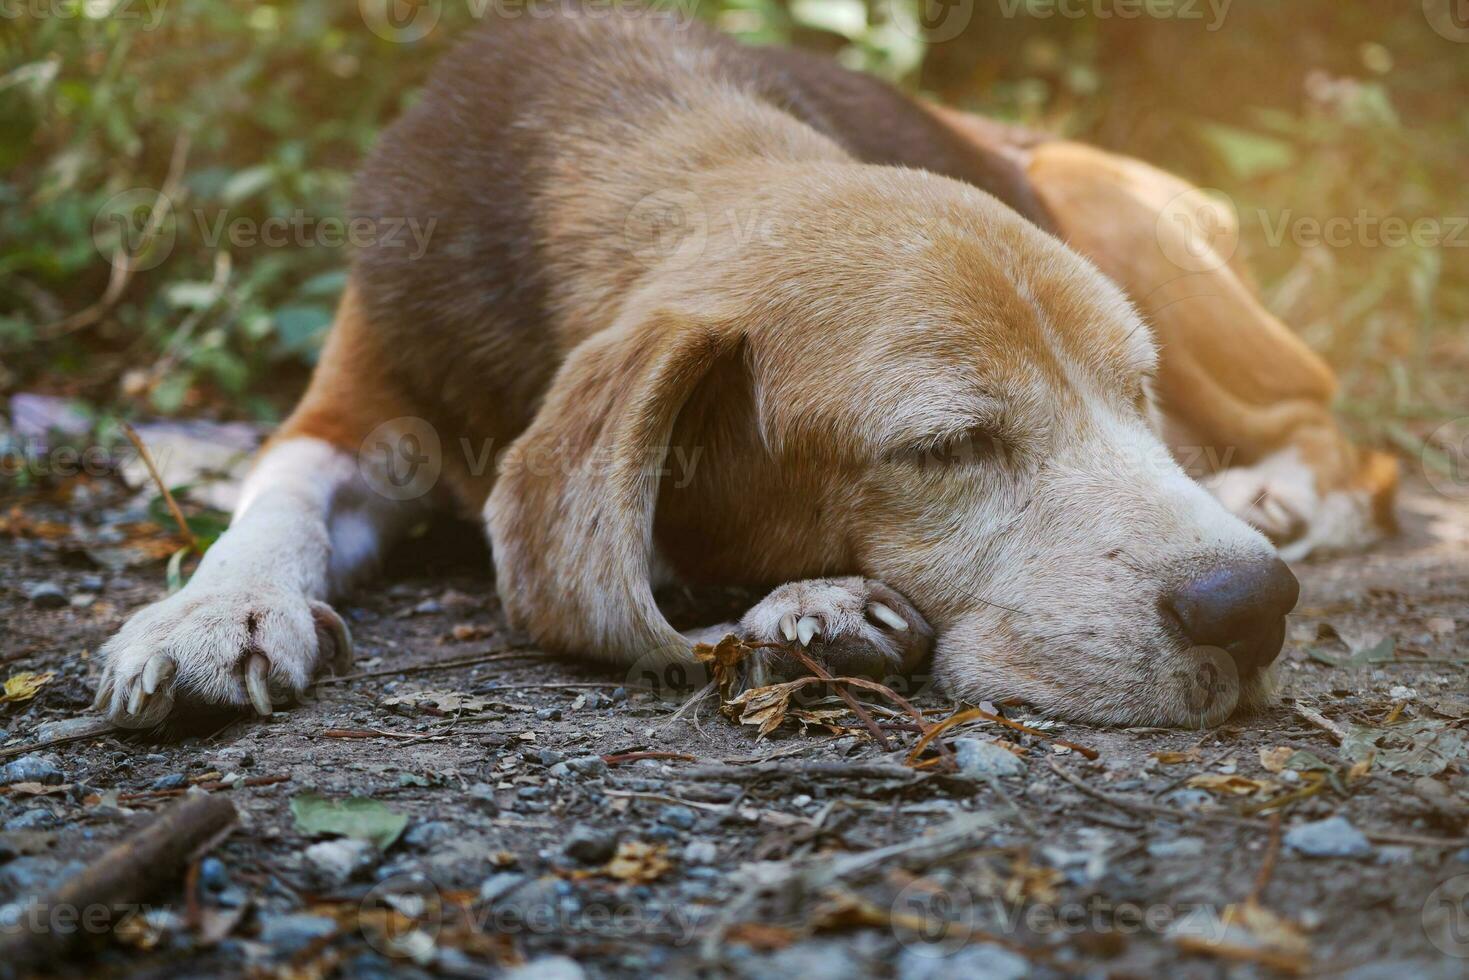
(1301, 108)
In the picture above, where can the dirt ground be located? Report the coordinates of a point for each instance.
(531, 835)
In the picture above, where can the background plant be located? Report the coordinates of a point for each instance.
(1307, 107)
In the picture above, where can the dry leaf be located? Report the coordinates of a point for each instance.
(1033, 882)
(724, 659)
(759, 936)
(1174, 758)
(1272, 931)
(38, 789)
(24, 686)
(1230, 785)
(1275, 759)
(638, 862)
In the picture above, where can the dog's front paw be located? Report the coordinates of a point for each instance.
(854, 626)
(210, 647)
(1277, 502)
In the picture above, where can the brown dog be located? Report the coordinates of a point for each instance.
(669, 326)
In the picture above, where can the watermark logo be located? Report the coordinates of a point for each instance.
(933, 920)
(1198, 230)
(1448, 18)
(401, 916)
(934, 21)
(1445, 459)
(1203, 686)
(1211, 13)
(1446, 917)
(135, 229)
(668, 229)
(401, 21)
(401, 459)
(149, 11)
(668, 673)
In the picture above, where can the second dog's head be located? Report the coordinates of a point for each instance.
(925, 390)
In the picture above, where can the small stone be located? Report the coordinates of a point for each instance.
(287, 934)
(619, 695)
(30, 769)
(1332, 837)
(549, 757)
(174, 780)
(47, 595)
(497, 886)
(559, 771)
(980, 758)
(1178, 847)
(983, 961)
(588, 766)
(36, 818)
(32, 874)
(590, 845)
(549, 714)
(428, 607)
(91, 583)
(428, 834)
(213, 874)
(700, 852)
(1189, 798)
(343, 859)
(679, 817)
(548, 968)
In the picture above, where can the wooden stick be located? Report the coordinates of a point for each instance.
(173, 506)
(95, 900)
(852, 702)
(507, 653)
(1267, 865)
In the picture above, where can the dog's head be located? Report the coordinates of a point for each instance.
(933, 394)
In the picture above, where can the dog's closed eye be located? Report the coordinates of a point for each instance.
(974, 446)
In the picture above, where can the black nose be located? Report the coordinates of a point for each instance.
(1239, 607)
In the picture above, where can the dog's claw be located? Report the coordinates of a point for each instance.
(808, 628)
(159, 670)
(103, 700)
(136, 698)
(887, 615)
(257, 685)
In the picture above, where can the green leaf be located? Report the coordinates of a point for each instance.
(297, 327)
(358, 817)
(247, 183)
(1247, 154)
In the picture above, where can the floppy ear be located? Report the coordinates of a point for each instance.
(571, 514)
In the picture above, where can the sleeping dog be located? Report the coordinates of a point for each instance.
(925, 421)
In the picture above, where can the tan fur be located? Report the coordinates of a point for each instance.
(1232, 377)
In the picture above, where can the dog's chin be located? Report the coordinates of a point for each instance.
(1198, 688)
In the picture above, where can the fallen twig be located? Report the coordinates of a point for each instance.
(1267, 864)
(721, 772)
(972, 713)
(173, 505)
(1318, 720)
(103, 729)
(144, 862)
(846, 695)
(618, 759)
(508, 653)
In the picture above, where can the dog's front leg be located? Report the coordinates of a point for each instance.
(852, 625)
(252, 624)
